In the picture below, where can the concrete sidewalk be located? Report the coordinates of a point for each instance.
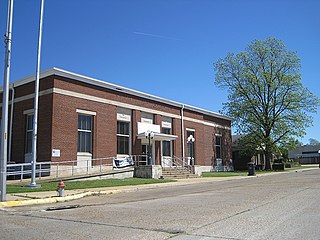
(32, 198)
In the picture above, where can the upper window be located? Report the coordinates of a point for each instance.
(218, 147)
(29, 133)
(123, 137)
(166, 145)
(146, 117)
(84, 133)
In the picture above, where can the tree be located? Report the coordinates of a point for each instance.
(313, 142)
(266, 97)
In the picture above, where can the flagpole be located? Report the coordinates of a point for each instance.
(36, 102)
(5, 106)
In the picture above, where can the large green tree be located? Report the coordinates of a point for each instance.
(266, 97)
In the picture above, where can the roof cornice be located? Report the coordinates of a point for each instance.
(117, 88)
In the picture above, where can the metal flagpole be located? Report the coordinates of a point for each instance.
(5, 106)
(36, 103)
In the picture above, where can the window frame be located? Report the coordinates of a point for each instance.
(166, 130)
(29, 142)
(218, 146)
(84, 131)
(123, 136)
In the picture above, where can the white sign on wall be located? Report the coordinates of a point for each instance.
(55, 153)
(166, 124)
(146, 127)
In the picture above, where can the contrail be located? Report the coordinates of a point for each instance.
(155, 35)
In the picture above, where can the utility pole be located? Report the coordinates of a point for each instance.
(5, 106)
(36, 103)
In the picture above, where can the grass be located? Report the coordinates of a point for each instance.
(245, 173)
(71, 185)
(224, 174)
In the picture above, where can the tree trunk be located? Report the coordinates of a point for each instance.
(268, 159)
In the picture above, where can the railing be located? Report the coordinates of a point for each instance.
(223, 168)
(68, 168)
(176, 164)
(140, 160)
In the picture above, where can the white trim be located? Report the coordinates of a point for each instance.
(159, 136)
(86, 112)
(84, 154)
(115, 103)
(124, 114)
(190, 129)
(165, 124)
(30, 96)
(27, 112)
(111, 102)
(147, 117)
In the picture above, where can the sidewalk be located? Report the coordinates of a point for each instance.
(32, 198)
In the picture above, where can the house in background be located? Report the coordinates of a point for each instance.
(241, 159)
(82, 118)
(306, 154)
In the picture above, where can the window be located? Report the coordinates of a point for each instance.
(84, 133)
(146, 117)
(123, 137)
(166, 145)
(29, 133)
(218, 147)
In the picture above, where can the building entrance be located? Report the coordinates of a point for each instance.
(146, 152)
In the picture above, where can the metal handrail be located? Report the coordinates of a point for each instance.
(62, 168)
(178, 164)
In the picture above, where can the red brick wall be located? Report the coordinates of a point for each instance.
(44, 123)
(58, 124)
(65, 127)
(176, 130)
(136, 143)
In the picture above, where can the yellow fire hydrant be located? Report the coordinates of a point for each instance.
(60, 189)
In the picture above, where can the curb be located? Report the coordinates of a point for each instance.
(19, 203)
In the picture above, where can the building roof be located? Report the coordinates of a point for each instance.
(305, 151)
(117, 88)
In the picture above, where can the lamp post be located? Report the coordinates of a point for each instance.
(149, 135)
(319, 157)
(190, 141)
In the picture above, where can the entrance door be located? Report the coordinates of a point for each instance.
(145, 152)
(166, 149)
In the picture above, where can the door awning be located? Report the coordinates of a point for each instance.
(159, 137)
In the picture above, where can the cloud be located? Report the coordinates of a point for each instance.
(155, 35)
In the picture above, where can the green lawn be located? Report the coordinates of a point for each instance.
(224, 174)
(70, 185)
(245, 173)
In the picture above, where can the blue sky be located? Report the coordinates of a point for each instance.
(162, 47)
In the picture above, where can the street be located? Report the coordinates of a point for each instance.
(278, 206)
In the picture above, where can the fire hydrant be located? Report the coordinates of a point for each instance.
(60, 189)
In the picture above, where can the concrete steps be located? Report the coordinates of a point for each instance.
(177, 174)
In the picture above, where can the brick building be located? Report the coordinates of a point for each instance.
(81, 117)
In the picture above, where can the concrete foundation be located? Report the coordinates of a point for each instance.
(198, 170)
(153, 171)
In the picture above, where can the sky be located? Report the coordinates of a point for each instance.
(163, 47)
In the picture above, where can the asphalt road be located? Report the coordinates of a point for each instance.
(281, 206)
